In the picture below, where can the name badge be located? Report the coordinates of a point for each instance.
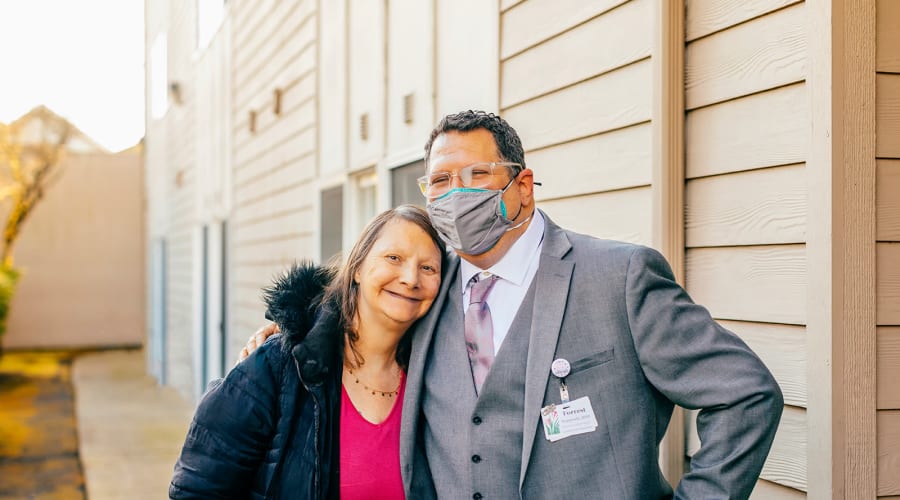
(568, 419)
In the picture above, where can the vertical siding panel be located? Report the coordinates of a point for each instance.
(667, 173)
(857, 113)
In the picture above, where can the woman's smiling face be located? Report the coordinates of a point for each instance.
(400, 277)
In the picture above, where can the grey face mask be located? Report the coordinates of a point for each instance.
(471, 220)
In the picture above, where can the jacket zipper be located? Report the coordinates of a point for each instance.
(315, 428)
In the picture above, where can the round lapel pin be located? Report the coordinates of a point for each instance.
(560, 367)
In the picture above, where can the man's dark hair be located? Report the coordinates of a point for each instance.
(509, 146)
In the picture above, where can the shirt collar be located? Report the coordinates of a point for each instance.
(513, 266)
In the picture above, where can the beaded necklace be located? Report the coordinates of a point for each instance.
(386, 394)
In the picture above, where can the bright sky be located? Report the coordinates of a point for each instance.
(83, 59)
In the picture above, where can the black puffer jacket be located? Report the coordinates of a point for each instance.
(270, 428)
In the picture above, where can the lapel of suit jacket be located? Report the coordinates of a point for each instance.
(551, 294)
(422, 334)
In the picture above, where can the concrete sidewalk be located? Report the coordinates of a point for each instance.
(130, 430)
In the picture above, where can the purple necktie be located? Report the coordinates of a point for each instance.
(480, 329)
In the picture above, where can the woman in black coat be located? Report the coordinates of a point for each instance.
(273, 427)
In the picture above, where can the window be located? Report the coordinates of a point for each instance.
(365, 202)
(331, 223)
(403, 184)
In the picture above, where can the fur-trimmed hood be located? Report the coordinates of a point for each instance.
(293, 300)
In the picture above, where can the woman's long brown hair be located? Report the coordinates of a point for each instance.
(344, 291)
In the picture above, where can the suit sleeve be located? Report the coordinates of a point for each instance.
(230, 433)
(698, 364)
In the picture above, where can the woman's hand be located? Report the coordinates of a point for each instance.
(257, 339)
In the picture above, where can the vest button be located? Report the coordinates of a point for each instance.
(477, 496)
(476, 458)
(476, 420)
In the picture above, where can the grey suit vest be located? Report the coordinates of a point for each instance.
(474, 444)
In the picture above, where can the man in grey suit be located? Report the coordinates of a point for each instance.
(557, 375)
(589, 344)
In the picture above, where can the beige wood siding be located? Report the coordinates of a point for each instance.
(783, 349)
(274, 166)
(710, 16)
(888, 452)
(887, 122)
(181, 181)
(747, 208)
(887, 116)
(746, 141)
(888, 364)
(535, 21)
(767, 129)
(786, 464)
(410, 76)
(615, 160)
(332, 74)
(624, 28)
(763, 53)
(887, 36)
(473, 44)
(888, 199)
(367, 55)
(767, 490)
(585, 122)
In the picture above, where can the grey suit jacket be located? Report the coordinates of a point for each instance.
(637, 345)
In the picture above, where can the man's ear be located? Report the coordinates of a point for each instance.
(525, 184)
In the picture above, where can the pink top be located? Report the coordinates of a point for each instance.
(370, 453)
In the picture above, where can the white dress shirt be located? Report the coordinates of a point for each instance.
(516, 270)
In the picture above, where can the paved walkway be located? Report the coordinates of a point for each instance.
(38, 445)
(130, 430)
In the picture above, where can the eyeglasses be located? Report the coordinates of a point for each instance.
(477, 175)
